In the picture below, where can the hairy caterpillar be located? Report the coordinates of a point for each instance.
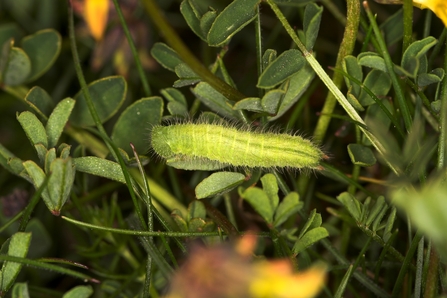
(214, 146)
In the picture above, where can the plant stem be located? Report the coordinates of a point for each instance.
(147, 89)
(346, 48)
(173, 40)
(408, 24)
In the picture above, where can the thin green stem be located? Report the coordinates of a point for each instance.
(443, 118)
(32, 203)
(136, 57)
(406, 264)
(259, 50)
(157, 17)
(155, 234)
(47, 266)
(346, 48)
(419, 267)
(408, 24)
(403, 104)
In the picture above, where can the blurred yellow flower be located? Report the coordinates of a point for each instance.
(439, 7)
(95, 14)
(276, 279)
(228, 271)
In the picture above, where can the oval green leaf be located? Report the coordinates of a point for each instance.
(18, 67)
(40, 101)
(259, 200)
(33, 128)
(43, 48)
(58, 119)
(107, 94)
(231, 20)
(361, 155)
(18, 247)
(167, 57)
(309, 239)
(214, 100)
(311, 24)
(286, 65)
(134, 124)
(218, 183)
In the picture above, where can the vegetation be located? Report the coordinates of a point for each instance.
(89, 209)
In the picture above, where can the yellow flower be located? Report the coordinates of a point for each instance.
(439, 7)
(95, 14)
(276, 279)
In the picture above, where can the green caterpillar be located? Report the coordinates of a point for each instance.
(214, 146)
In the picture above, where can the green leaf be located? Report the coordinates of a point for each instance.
(167, 57)
(434, 77)
(50, 156)
(311, 24)
(353, 101)
(79, 292)
(5, 156)
(361, 155)
(41, 152)
(196, 225)
(270, 101)
(179, 220)
(58, 119)
(411, 57)
(259, 200)
(252, 104)
(294, 3)
(18, 247)
(426, 208)
(8, 31)
(351, 66)
(351, 204)
(186, 76)
(107, 94)
(214, 100)
(270, 187)
(177, 109)
(393, 28)
(43, 48)
(18, 67)
(40, 101)
(192, 18)
(99, 167)
(309, 239)
(174, 95)
(389, 225)
(378, 83)
(286, 65)
(218, 183)
(207, 21)
(135, 122)
(196, 210)
(268, 57)
(33, 128)
(60, 184)
(231, 20)
(290, 204)
(295, 88)
(309, 222)
(20, 290)
(372, 60)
